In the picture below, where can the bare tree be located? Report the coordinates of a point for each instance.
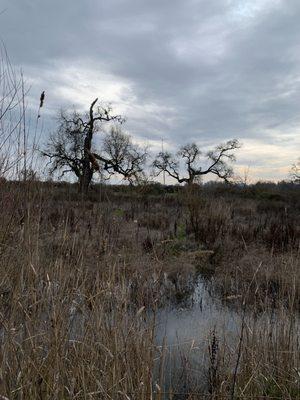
(295, 172)
(243, 179)
(190, 155)
(70, 147)
(120, 155)
(66, 146)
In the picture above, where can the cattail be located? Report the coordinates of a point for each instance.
(42, 98)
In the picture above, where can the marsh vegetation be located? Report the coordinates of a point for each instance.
(149, 292)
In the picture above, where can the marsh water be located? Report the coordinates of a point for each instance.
(186, 332)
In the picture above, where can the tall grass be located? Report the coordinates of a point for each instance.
(79, 290)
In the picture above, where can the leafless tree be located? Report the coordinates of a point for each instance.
(66, 146)
(295, 172)
(243, 179)
(120, 155)
(190, 155)
(70, 147)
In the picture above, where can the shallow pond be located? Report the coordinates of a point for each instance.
(184, 334)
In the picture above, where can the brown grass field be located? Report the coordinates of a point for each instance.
(82, 281)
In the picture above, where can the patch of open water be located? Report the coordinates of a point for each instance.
(185, 332)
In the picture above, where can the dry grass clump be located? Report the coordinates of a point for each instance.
(65, 338)
(277, 281)
(68, 328)
(240, 238)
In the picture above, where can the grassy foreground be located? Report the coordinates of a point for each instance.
(81, 280)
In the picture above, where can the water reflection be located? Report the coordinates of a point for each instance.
(185, 331)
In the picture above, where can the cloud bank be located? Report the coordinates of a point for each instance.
(191, 70)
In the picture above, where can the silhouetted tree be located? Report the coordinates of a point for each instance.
(190, 154)
(295, 172)
(120, 155)
(70, 147)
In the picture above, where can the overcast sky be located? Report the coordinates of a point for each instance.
(185, 70)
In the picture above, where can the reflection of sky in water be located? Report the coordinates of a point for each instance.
(197, 321)
(185, 333)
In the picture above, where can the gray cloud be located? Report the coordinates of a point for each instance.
(185, 70)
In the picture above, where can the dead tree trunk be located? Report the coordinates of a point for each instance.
(88, 170)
